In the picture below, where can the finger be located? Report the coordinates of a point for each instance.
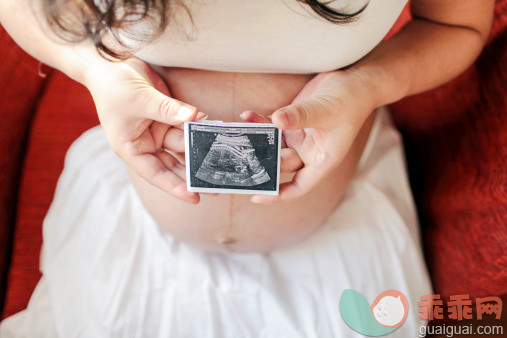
(253, 117)
(283, 143)
(181, 157)
(170, 161)
(158, 131)
(304, 180)
(290, 160)
(174, 140)
(165, 109)
(200, 116)
(178, 168)
(314, 112)
(160, 175)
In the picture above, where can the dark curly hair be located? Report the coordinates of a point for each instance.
(79, 20)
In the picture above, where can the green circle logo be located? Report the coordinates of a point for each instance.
(387, 312)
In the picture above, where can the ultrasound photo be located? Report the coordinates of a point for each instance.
(235, 158)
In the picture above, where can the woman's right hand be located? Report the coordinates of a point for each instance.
(140, 120)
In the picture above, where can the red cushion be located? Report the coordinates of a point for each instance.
(19, 89)
(456, 145)
(65, 111)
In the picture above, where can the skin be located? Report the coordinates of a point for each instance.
(326, 119)
(232, 222)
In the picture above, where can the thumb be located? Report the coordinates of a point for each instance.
(165, 109)
(314, 112)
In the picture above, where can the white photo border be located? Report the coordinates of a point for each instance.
(186, 129)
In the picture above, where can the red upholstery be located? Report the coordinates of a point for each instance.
(456, 147)
(64, 112)
(20, 85)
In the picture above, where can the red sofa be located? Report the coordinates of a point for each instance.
(456, 146)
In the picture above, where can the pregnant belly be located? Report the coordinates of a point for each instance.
(231, 222)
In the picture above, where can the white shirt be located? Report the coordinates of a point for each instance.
(269, 36)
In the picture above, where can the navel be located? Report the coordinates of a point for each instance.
(226, 240)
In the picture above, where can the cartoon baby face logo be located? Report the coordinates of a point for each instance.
(390, 308)
(387, 312)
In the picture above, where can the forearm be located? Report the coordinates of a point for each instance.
(27, 27)
(424, 55)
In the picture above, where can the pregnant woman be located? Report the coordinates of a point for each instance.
(129, 252)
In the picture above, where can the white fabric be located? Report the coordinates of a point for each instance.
(108, 271)
(267, 36)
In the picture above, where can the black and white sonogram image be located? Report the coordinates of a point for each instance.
(237, 158)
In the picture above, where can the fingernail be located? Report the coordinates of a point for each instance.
(201, 116)
(243, 115)
(184, 112)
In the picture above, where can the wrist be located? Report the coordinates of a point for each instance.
(381, 86)
(84, 65)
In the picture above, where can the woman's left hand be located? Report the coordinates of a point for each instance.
(320, 125)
